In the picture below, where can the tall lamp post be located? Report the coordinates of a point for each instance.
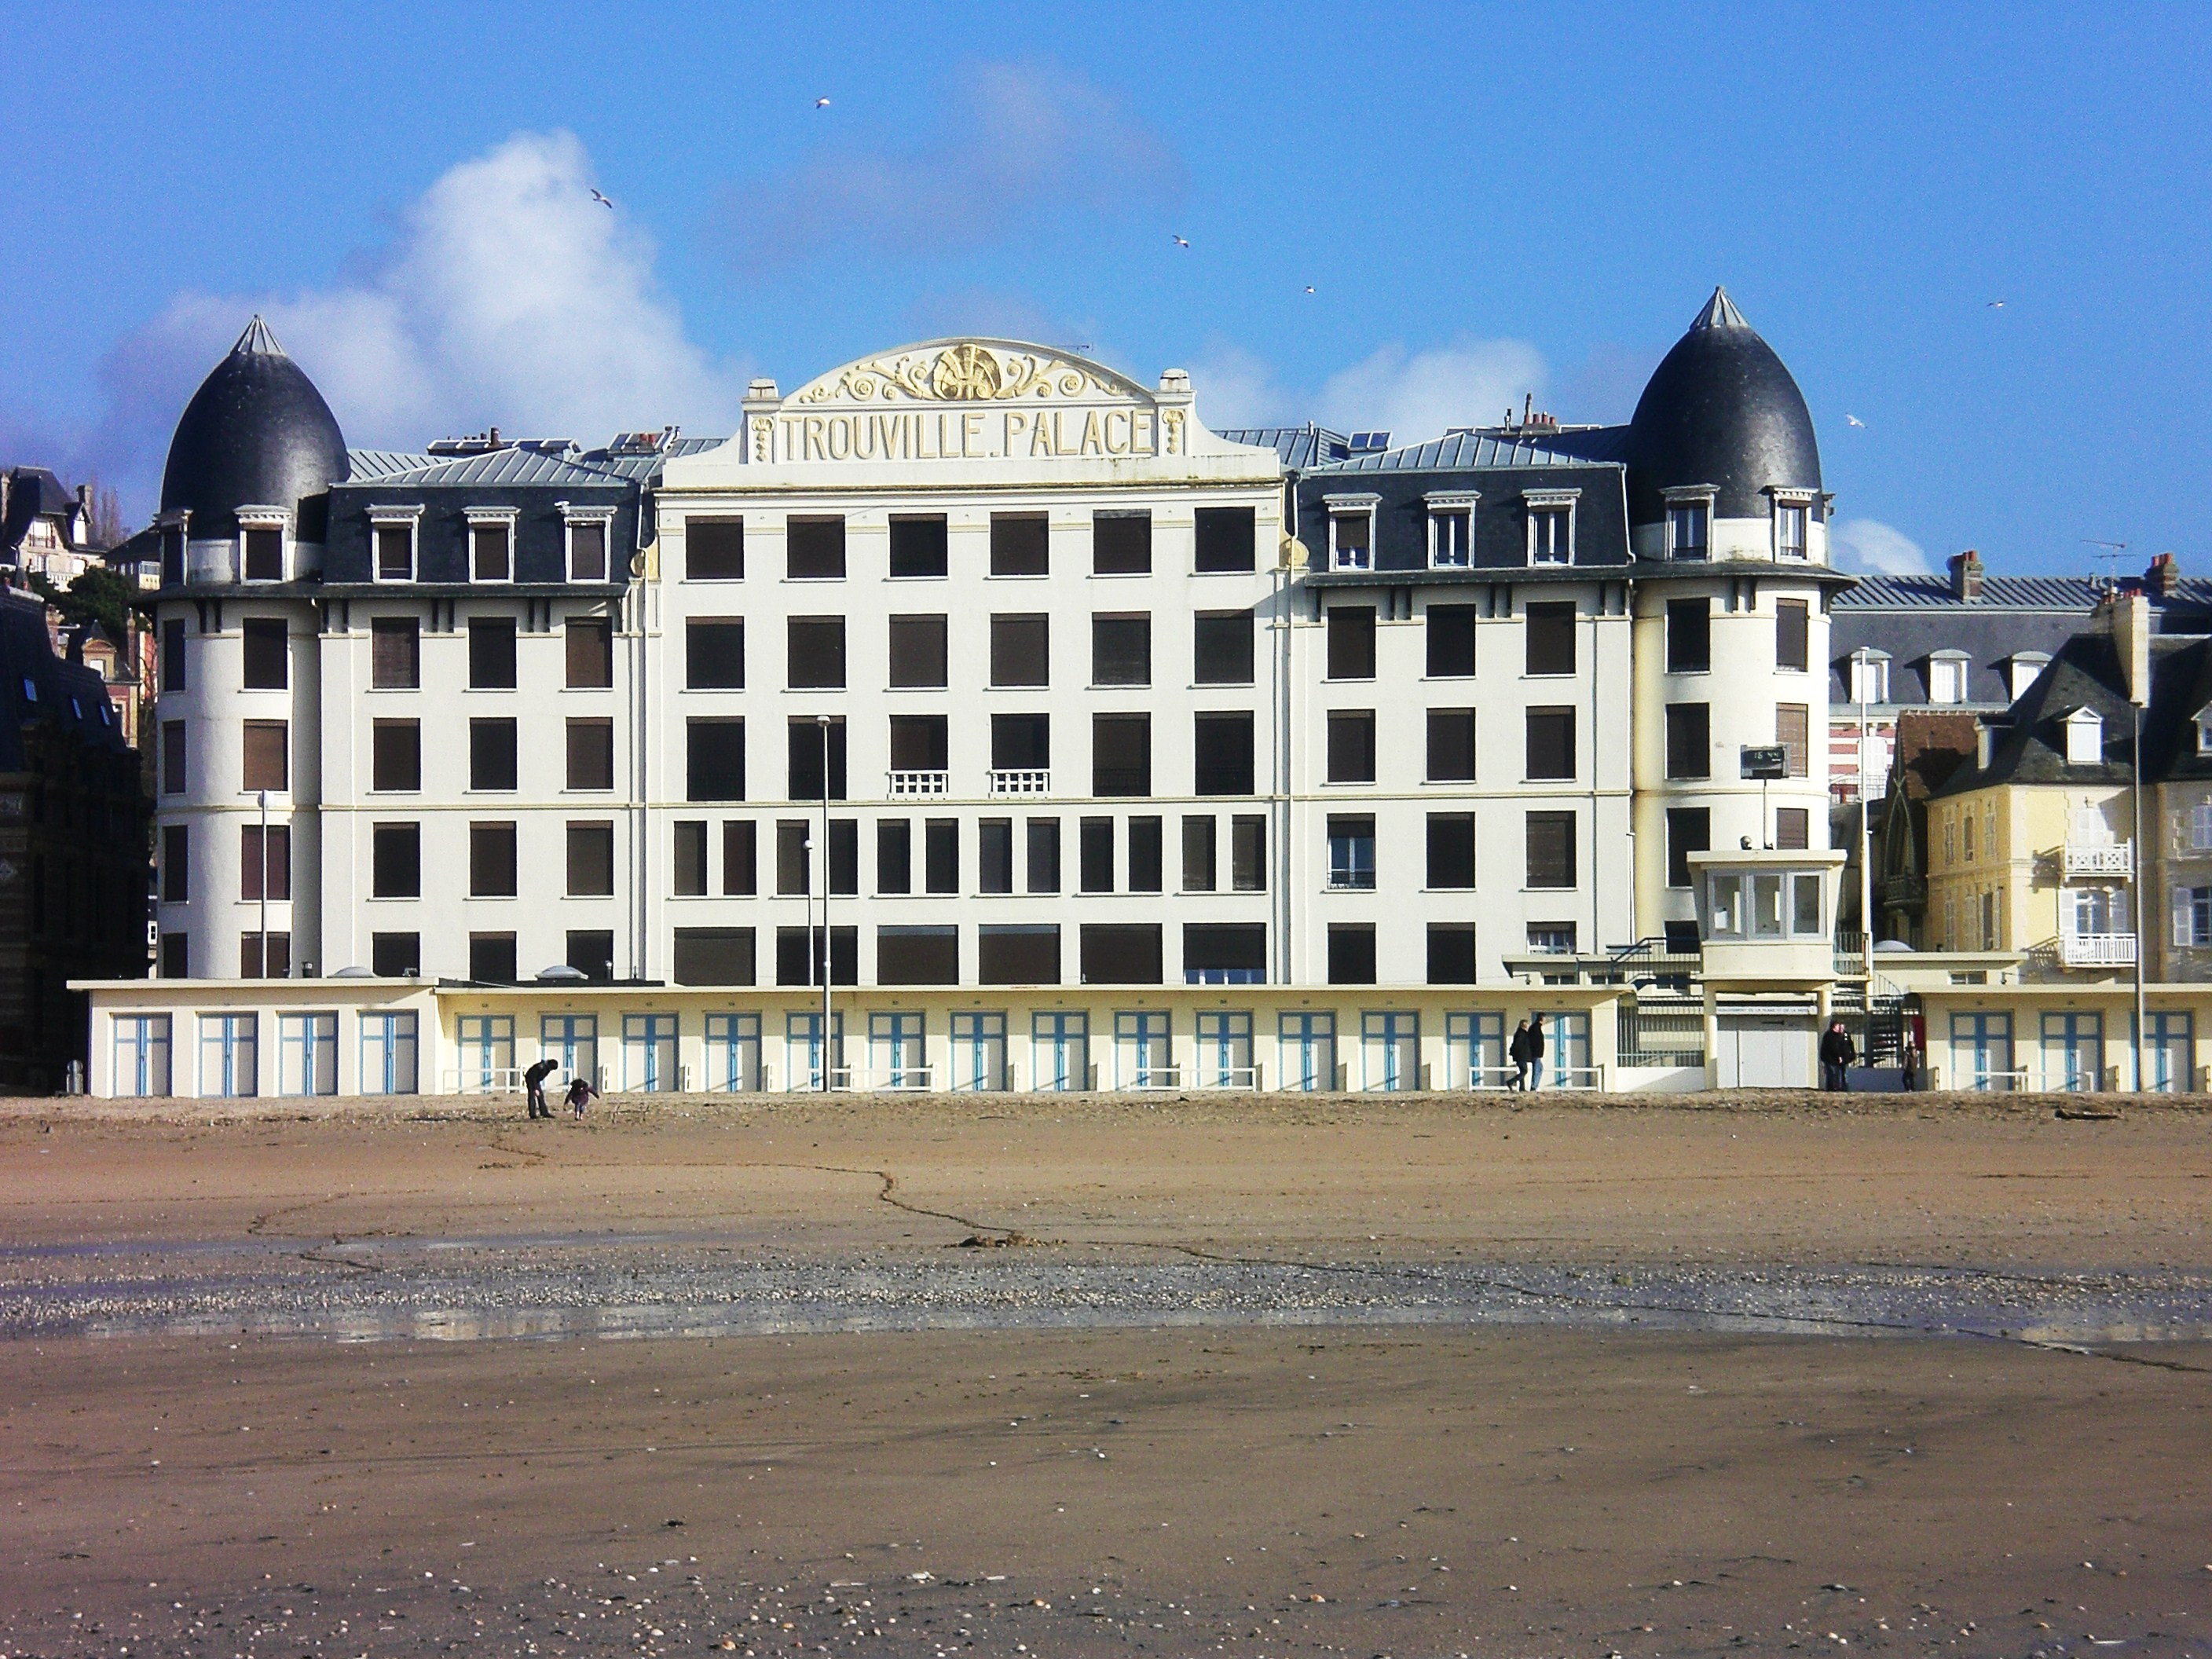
(1860, 671)
(821, 723)
(261, 797)
(2135, 875)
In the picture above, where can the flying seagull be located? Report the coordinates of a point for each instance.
(1310, 288)
(822, 103)
(1853, 420)
(601, 200)
(1995, 304)
(1181, 241)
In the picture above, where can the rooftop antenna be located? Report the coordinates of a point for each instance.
(2111, 556)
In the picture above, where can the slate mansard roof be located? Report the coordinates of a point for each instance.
(256, 433)
(38, 688)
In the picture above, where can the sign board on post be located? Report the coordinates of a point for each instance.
(1765, 762)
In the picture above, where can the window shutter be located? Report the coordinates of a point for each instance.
(2183, 899)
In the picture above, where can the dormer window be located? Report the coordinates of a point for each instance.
(1947, 673)
(2204, 733)
(1451, 529)
(2085, 738)
(1351, 531)
(173, 552)
(1551, 525)
(1690, 522)
(589, 536)
(392, 534)
(2023, 668)
(1870, 676)
(261, 543)
(491, 544)
(1790, 517)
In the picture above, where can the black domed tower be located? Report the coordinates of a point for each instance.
(1722, 418)
(256, 433)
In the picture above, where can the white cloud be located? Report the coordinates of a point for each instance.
(507, 295)
(1231, 386)
(1412, 397)
(1869, 544)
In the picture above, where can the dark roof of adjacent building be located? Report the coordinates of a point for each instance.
(1473, 446)
(256, 433)
(2074, 595)
(1720, 410)
(2029, 746)
(33, 492)
(1299, 447)
(38, 688)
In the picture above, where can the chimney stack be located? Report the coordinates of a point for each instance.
(2163, 576)
(1966, 575)
(2127, 618)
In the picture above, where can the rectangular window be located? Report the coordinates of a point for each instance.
(1793, 828)
(1689, 741)
(894, 855)
(493, 863)
(1689, 829)
(395, 955)
(587, 550)
(176, 863)
(1120, 755)
(1551, 849)
(1869, 679)
(1017, 955)
(1221, 647)
(1043, 861)
(265, 555)
(794, 858)
(1120, 543)
(1350, 953)
(918, 544)
(1449, 629)
(491, 754)
(395, 860)
(1686, 529)
(1352, 746)
(1451, 849)
(1351, 852)
(1550, 744)
(1552, 939)
(1021, 743)
(591, 952)
(1793, 633)
(1095, 855)
(815, 759)
(1020, 651)
(712, 956)
(1790, 529)
(395, 654)
(1689, 636)
(1247, 854)
(1121, 953)
(491, 654)
(250, 964)
(918, 956)
(1352, 539)
(1223, 751)
(1946, 679)
(1451, 745)
(270, 859)
(1121, 650)
(591, 654)
(1352, 642)
(940, 856)
(395, 754)
(714, 549)
(267, 755)
(1451, 947)
(172, 758)
(268, 653)
(1227, 540)
(1198, 860)
(492, 959)
(1793, 727)
(845, 856)
(172, 656)
(172, 567)
(687, 865)
(815, 548)
(591, 861)
(1551, 535)
(816, 660)
(1147, 862)
(918, 652)
(715, 654)
(1224, 953)
(1020, 545)
(921, 742)
(395, 553)
(1449, 540)
(590, 754)
(1548, 635)
(490, 553)
(714, 760)
(995, 856)
(176, 956)
(740, 858)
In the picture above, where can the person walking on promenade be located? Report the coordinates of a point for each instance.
(1908, 1065)
(1517, 1052)
(1536, 1052)
(580, 1092)
(1838, 1051)
(533, 1084)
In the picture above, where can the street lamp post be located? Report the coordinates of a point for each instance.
(1859, 661)
(2135, 883)
(822, 722)
(261, 797)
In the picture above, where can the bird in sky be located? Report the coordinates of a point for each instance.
(1310, 288)
(1181, 241)
(601, 200)
(1995, 304)
(822, 103)
(1853, 420)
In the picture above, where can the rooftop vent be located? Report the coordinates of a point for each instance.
(482, 443)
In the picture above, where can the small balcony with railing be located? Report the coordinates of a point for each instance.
(898, 784)
(2098, 860)
(2097, 950)
(1021, 781)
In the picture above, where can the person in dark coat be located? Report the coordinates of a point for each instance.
(1837, 1052)
(579, 1094)
(533, 1083)
(1527, 1053)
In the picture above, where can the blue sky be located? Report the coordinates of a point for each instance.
(1485, 201)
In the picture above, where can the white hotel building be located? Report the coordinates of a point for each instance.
(1130, 753)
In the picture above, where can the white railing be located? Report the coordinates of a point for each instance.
(2109, 859)
(483, 1079)
(908, 1077)
(1491, 1077)
(2097, 950)
(807, 1079)
(916, 783)
(1245, 1078)
(2003, 1082)
(1037, 781)
(1157, 1076)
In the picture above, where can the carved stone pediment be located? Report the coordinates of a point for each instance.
(968, 371)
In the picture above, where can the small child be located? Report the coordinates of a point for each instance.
(579, 1093)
